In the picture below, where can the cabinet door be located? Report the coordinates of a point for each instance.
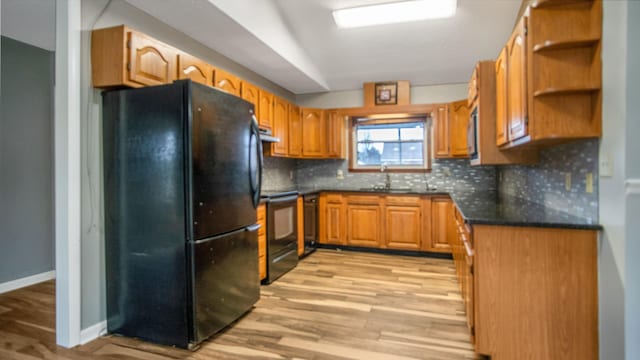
(331, 218)
(314, 133)
(501, 98)
(517, 78)
(441, 132)
(150, 61)
(459, 119)
(190, 67)
(265, 109)
(280, 127)
(295, 131)
(249, 92)
(403, 225)
(442, 214)
(227, 82)
(262, 241)
(300, 213)
(363, 225)
(335, 132)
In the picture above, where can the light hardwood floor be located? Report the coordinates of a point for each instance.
(334, 305)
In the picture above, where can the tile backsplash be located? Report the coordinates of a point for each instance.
(277, 173)
(447, 175)
(545, 183)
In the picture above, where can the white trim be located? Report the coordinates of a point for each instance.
(632, 186)
(67, 176)
(93, 332)
(26, 281)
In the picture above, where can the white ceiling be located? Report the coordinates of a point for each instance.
(296, 44)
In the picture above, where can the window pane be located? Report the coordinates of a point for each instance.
(391, 153)
(377, 134)
(412, 133)
(369, 153)
(412, 153)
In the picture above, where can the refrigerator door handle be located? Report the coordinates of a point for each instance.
(252, 228)
(255, 161)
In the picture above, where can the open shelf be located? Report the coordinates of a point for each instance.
(565, 44)
(565, 91)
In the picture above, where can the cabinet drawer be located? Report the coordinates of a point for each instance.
(363, 199)
(403, 200)
(334, 198)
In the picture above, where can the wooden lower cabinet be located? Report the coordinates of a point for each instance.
(262, 240)
(332, 218)
(403, 222)
(395, 222)
(300, 225)
(441, 214)
(364, 221)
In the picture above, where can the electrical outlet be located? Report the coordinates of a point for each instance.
(339, 175)
(589, 183)
(446, 171)
(290, 174)
(567, 181)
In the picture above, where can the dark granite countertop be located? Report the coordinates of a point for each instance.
(491, 208)
(484, 207)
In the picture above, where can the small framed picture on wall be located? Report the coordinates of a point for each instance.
(386, 93)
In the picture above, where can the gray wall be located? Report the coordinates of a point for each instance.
(544, 183)
(26, 161)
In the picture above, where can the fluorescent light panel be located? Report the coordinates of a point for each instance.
(390, 13)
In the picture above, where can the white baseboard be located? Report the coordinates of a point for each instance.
(27, 281)
(93, 332)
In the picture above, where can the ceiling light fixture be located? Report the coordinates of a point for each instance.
(396, 12)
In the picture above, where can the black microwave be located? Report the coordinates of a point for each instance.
(472, 134)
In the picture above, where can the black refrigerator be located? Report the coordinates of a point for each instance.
(182, 173)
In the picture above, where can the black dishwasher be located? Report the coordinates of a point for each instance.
(310, 223)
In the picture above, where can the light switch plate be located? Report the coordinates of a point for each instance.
(606, 165)
(339, 174)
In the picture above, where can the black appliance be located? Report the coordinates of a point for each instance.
(310, 223)
(472, 134)
(182, 174)
(282, 233)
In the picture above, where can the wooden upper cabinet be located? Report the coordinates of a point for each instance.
(265, 109)
(250, 93)
(122, 56)
(280, 127)
(190, 67)
(364, 221)
(227, 82)
(295, 131)
(472, 91)
(314, 132)
(441, 215)
(336, 134)
(150, 61)
(459, 119)
(501, 98)
(517, 76)
(441, 132)
(403, 223)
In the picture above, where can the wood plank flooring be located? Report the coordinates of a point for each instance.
(334, 305)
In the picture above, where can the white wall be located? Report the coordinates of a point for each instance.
(611, 190)
(430, 94)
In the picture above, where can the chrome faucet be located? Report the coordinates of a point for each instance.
(387, 181)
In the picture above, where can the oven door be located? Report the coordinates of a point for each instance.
(282, 224)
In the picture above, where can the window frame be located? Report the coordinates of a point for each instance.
(426, 147)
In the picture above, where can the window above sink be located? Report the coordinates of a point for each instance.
(398, 144)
